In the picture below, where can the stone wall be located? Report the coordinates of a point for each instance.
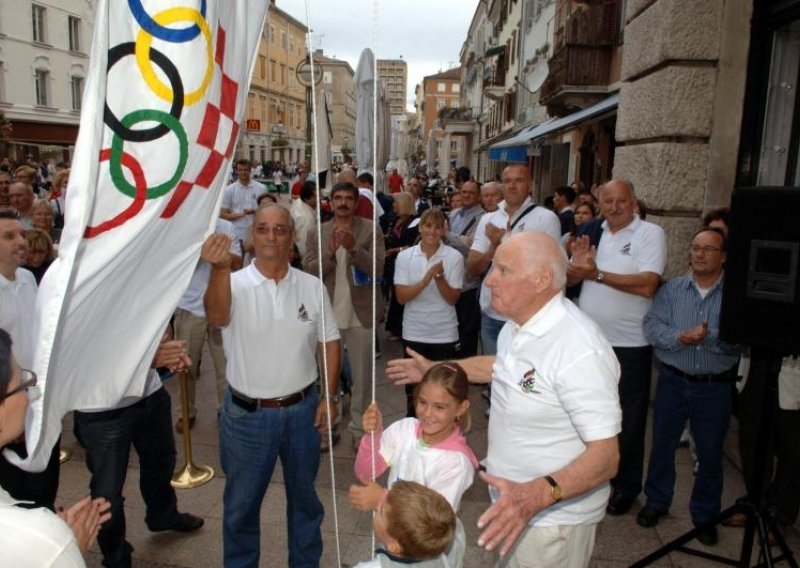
(683, 79)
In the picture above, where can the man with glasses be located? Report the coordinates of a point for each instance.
(694, 383)
(620, 278)
(274, 322)
(240, 200)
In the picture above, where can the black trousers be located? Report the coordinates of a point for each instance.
(634, 399)
(469, 323)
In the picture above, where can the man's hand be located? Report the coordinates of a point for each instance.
(504, 521)
(366, 497)
(344, 237)
(494, 234)
(85, 518)
(694, 335)
(582, 265)
(408, 371)
(321, 419)
(372, 421)
(172, 355)
(216, 252)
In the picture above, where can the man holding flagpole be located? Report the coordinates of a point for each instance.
(274, 319)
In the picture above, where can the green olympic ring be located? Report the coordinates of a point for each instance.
(117, 143)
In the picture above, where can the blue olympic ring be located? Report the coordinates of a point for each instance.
(159, 31)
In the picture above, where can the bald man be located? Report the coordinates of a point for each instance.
(555, 411)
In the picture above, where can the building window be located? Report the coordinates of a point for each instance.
(456, 88)
(262, 63)
(327, 77)
(329, 99)
(439, 105)
(39, 29)
(41, 77)
(283, 41)
(74, 33)
(454, 145)
(273, 70)
(272, 34)
(440, 87)
(284, 77)
(2, 81)
(76, 89)
(263, 103)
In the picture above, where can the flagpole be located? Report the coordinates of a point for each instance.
(190, 475)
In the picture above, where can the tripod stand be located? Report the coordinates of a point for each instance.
(759, 518)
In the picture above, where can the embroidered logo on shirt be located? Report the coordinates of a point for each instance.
(528, 382)
(626, 250)
(302, 314)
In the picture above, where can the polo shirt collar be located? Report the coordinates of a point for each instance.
(545, 319)
(417, 250)
(632, 226)
(257, 279)
(528, 201)
(691, 283)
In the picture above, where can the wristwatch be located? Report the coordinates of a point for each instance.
(555, 489)
(600, 277)
(334, 398)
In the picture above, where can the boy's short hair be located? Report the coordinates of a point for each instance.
(419, 519)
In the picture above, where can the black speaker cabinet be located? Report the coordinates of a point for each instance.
(761, 299)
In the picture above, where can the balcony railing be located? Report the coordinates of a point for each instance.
(593, 23)
(576, 66)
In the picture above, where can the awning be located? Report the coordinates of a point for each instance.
(551, 126)
(511, 154)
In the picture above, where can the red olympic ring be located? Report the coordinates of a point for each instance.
(136, 205)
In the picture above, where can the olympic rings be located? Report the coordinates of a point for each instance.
(144, 40)
(117, 143)
(156, 30)
(138, 200)
(147, 134)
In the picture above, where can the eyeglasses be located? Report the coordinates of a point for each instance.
(696, 249)
(278, 230)
(28, 380)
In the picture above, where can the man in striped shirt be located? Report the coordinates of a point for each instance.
(694, 383)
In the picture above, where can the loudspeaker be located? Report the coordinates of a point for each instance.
(761, 297)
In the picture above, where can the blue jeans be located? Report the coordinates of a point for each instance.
(107, 437)
(707, 406)
(250, 444)
(490, 330)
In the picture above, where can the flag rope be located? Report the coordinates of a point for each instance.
(321, 286)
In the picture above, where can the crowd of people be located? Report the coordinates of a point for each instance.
(559, 311)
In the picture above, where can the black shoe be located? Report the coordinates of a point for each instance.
(709, 537)
(649, 516)
(183, 522)
(619, 504)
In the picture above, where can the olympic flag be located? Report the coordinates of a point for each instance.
(163, 103)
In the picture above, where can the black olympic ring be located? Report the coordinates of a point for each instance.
(146, 134)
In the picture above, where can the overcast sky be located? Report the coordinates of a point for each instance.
(428, 34)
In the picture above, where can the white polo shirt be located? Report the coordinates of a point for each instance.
(428, 318)
(554, 388)
(539, 219)
(639, 247)
(192, 299)
(17, 313)
(237, 198)
(271, 340)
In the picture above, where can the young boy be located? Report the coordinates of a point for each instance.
(418, 527)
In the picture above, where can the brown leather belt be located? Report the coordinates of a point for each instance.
(251, 404)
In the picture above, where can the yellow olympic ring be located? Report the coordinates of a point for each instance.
(144, 40)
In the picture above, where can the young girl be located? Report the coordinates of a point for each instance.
(429, 449)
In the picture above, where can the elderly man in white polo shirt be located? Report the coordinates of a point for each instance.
(516, 213)
(555, 411)
(275, 320)
(620, 276)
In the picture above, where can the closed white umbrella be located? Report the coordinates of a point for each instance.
(365, 120)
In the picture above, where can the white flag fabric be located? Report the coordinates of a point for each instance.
(163, 103)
